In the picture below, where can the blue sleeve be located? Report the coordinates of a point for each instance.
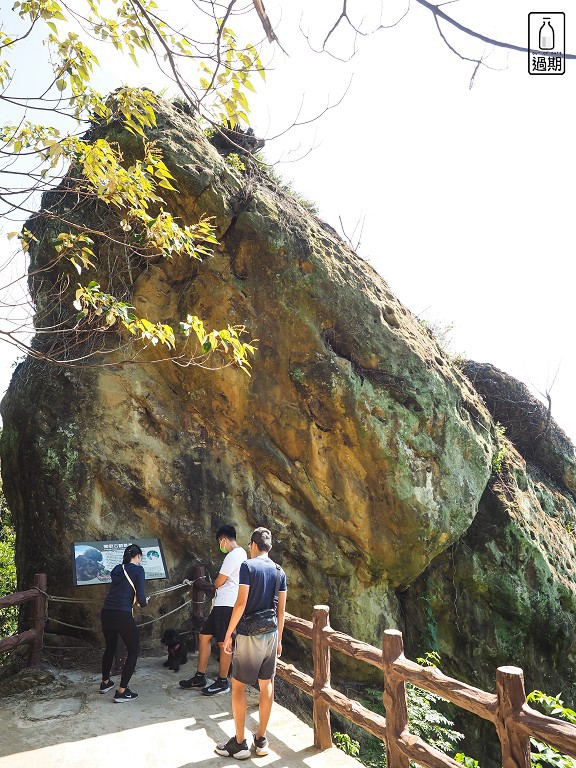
(244, 576)
(282, 587)
(139, 584)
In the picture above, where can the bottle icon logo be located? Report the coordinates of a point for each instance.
(546, 36)
(546, 43)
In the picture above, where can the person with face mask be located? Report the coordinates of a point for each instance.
(216, 624)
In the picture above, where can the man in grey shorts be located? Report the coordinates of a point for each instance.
(254, 656)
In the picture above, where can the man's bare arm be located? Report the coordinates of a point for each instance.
(281, 613)
(220, 580)
(237, 613)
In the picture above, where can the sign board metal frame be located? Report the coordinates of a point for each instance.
(92, 561)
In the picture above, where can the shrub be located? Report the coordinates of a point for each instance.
(424, 719)
(346, 744)
(8, 616)
(544, 755)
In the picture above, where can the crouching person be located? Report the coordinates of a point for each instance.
(262, 587)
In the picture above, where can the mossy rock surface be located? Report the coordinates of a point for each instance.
(356, 440)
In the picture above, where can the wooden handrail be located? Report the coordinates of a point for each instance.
(507, 710)
(34, 637)
(417, 750)
(514, 720)
(18, 598)
(355, 648)
(465, 696)
(355, 712)
(556, 733)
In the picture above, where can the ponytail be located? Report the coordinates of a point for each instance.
(131, 552)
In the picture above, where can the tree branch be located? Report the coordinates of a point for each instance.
(266, 23)
(437, 12)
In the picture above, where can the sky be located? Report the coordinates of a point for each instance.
(463, 195)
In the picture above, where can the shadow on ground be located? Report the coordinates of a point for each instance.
(68, 723)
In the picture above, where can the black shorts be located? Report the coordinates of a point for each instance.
(217, 622)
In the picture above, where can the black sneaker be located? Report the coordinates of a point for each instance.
(105, 687)
(220, 685)
(261, 746)
(120, 698)
(232, 748)
(198, 681)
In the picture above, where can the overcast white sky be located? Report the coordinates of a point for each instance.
(466, 194)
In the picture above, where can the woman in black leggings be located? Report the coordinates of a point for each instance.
(117, 620)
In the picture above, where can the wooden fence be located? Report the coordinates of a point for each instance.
(34, 636)
(507, 710)
(514, 720)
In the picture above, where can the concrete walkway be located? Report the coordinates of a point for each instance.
(166, 727)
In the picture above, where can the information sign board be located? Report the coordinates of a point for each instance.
(93, 560)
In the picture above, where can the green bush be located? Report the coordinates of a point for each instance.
(424, 719)
(8, 616)
(346, 744)
(499, 457)
(544, 755)
(234, 161)
(437, 730)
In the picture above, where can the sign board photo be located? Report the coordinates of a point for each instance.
(93, 560)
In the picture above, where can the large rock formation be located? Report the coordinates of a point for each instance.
(505, 592)
(356, 440)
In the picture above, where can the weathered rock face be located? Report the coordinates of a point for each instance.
(509, 583)
(355, 440)
(528, 423)
(505, 592)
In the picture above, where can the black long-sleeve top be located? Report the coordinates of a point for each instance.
(120, 596)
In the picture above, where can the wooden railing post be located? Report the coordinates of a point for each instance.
(394, 699)
(511, 698)
(38, 619)
(321, 657)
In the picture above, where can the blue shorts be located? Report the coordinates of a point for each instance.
(255, 658)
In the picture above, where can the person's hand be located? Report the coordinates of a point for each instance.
(279, 651)
(206, 586)
(227, 646)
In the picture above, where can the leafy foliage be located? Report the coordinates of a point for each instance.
(500, 455)
(348, 745)
(234, 161)
(544, 755)
(428, 722)
(424, 720)
(436, 729)
(8, 616)
(469, 762)
(74, 35)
